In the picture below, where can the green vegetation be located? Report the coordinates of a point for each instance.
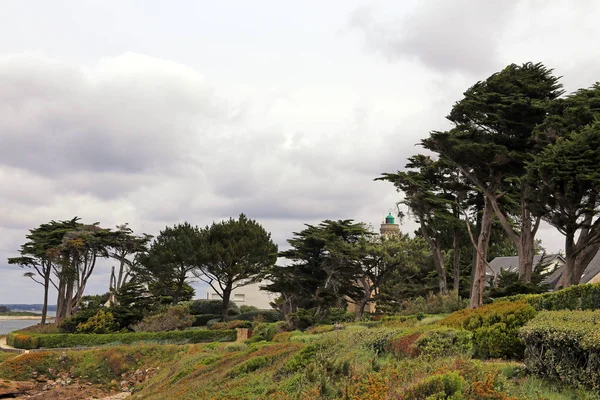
(392, 359)
(564, 346)
(24, 340)
(19, 314)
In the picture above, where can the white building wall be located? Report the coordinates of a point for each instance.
(249, 295)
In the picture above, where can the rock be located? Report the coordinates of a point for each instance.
(11, 388)
(63, 357)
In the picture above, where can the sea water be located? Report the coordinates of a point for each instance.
(10, 325)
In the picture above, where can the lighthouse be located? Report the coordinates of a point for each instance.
(389, 226)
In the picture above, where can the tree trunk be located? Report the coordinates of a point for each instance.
(569, 270)
(456, 247)
(69, 298)
(442, 281)
(226, 296)
(365, 300)
(583, 259)
(47, 272)
(60, 300)
(483, 241)
(526, 244)
(523, 240)
(438, 260)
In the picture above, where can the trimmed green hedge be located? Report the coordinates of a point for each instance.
(202, 319)
(495, 327)
(564, 346)
(21, 340)
(576, 297)
(266, 315)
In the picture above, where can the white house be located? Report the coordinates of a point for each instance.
(249, 295)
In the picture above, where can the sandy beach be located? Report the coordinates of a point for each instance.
(21, 318)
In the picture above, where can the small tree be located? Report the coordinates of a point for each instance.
(36, 254)
(170, 261)
(232, 254)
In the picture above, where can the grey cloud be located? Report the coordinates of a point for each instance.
(129, 114)
(447, 36)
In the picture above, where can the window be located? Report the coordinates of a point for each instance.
(239, 297)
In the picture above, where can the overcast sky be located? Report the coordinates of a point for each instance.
(159, 112)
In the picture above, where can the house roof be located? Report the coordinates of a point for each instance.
(590, 272)
(592, 269)
(512, 263)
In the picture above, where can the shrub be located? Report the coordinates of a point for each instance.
(266, 315)
(70, 324)
(404, 345)
(173, 318)
(199, 307)
(266, 331)
(495, 327)
(63, 340)
(236, 323)
(442, 386)
(576, 297)
(564, 346)
(445, 342)
(202, 319)
(245, 308)
(434, 303)
(317, 329)
(22, 341)
(101, 322)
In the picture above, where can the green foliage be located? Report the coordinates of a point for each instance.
(249, 366)
(202, 319)
(232, 254)
(101, 322)
(70, 324)
(263, 315)
(433, 303)
(445, 342)
(448, 386)
(52, 341)
(495, 327)
(576, 297)
(198, 307)
(267, 331)
(301, 359)
(564, 346)
(245, 308)
(173, 318)
(169, 261)
(324, 267)
(236, 323)
(22, 341)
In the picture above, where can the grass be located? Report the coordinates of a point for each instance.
(352, 363)
(6, 356)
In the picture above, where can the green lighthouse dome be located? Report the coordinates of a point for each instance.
(389, 219)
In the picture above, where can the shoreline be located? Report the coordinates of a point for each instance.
(23, 318)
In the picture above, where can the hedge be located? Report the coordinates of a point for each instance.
(495, 327)
(198, 307)
(576, 297)
(564, 346)
(445, 342)
(266, 315)
(202, 319)
(21, 340)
